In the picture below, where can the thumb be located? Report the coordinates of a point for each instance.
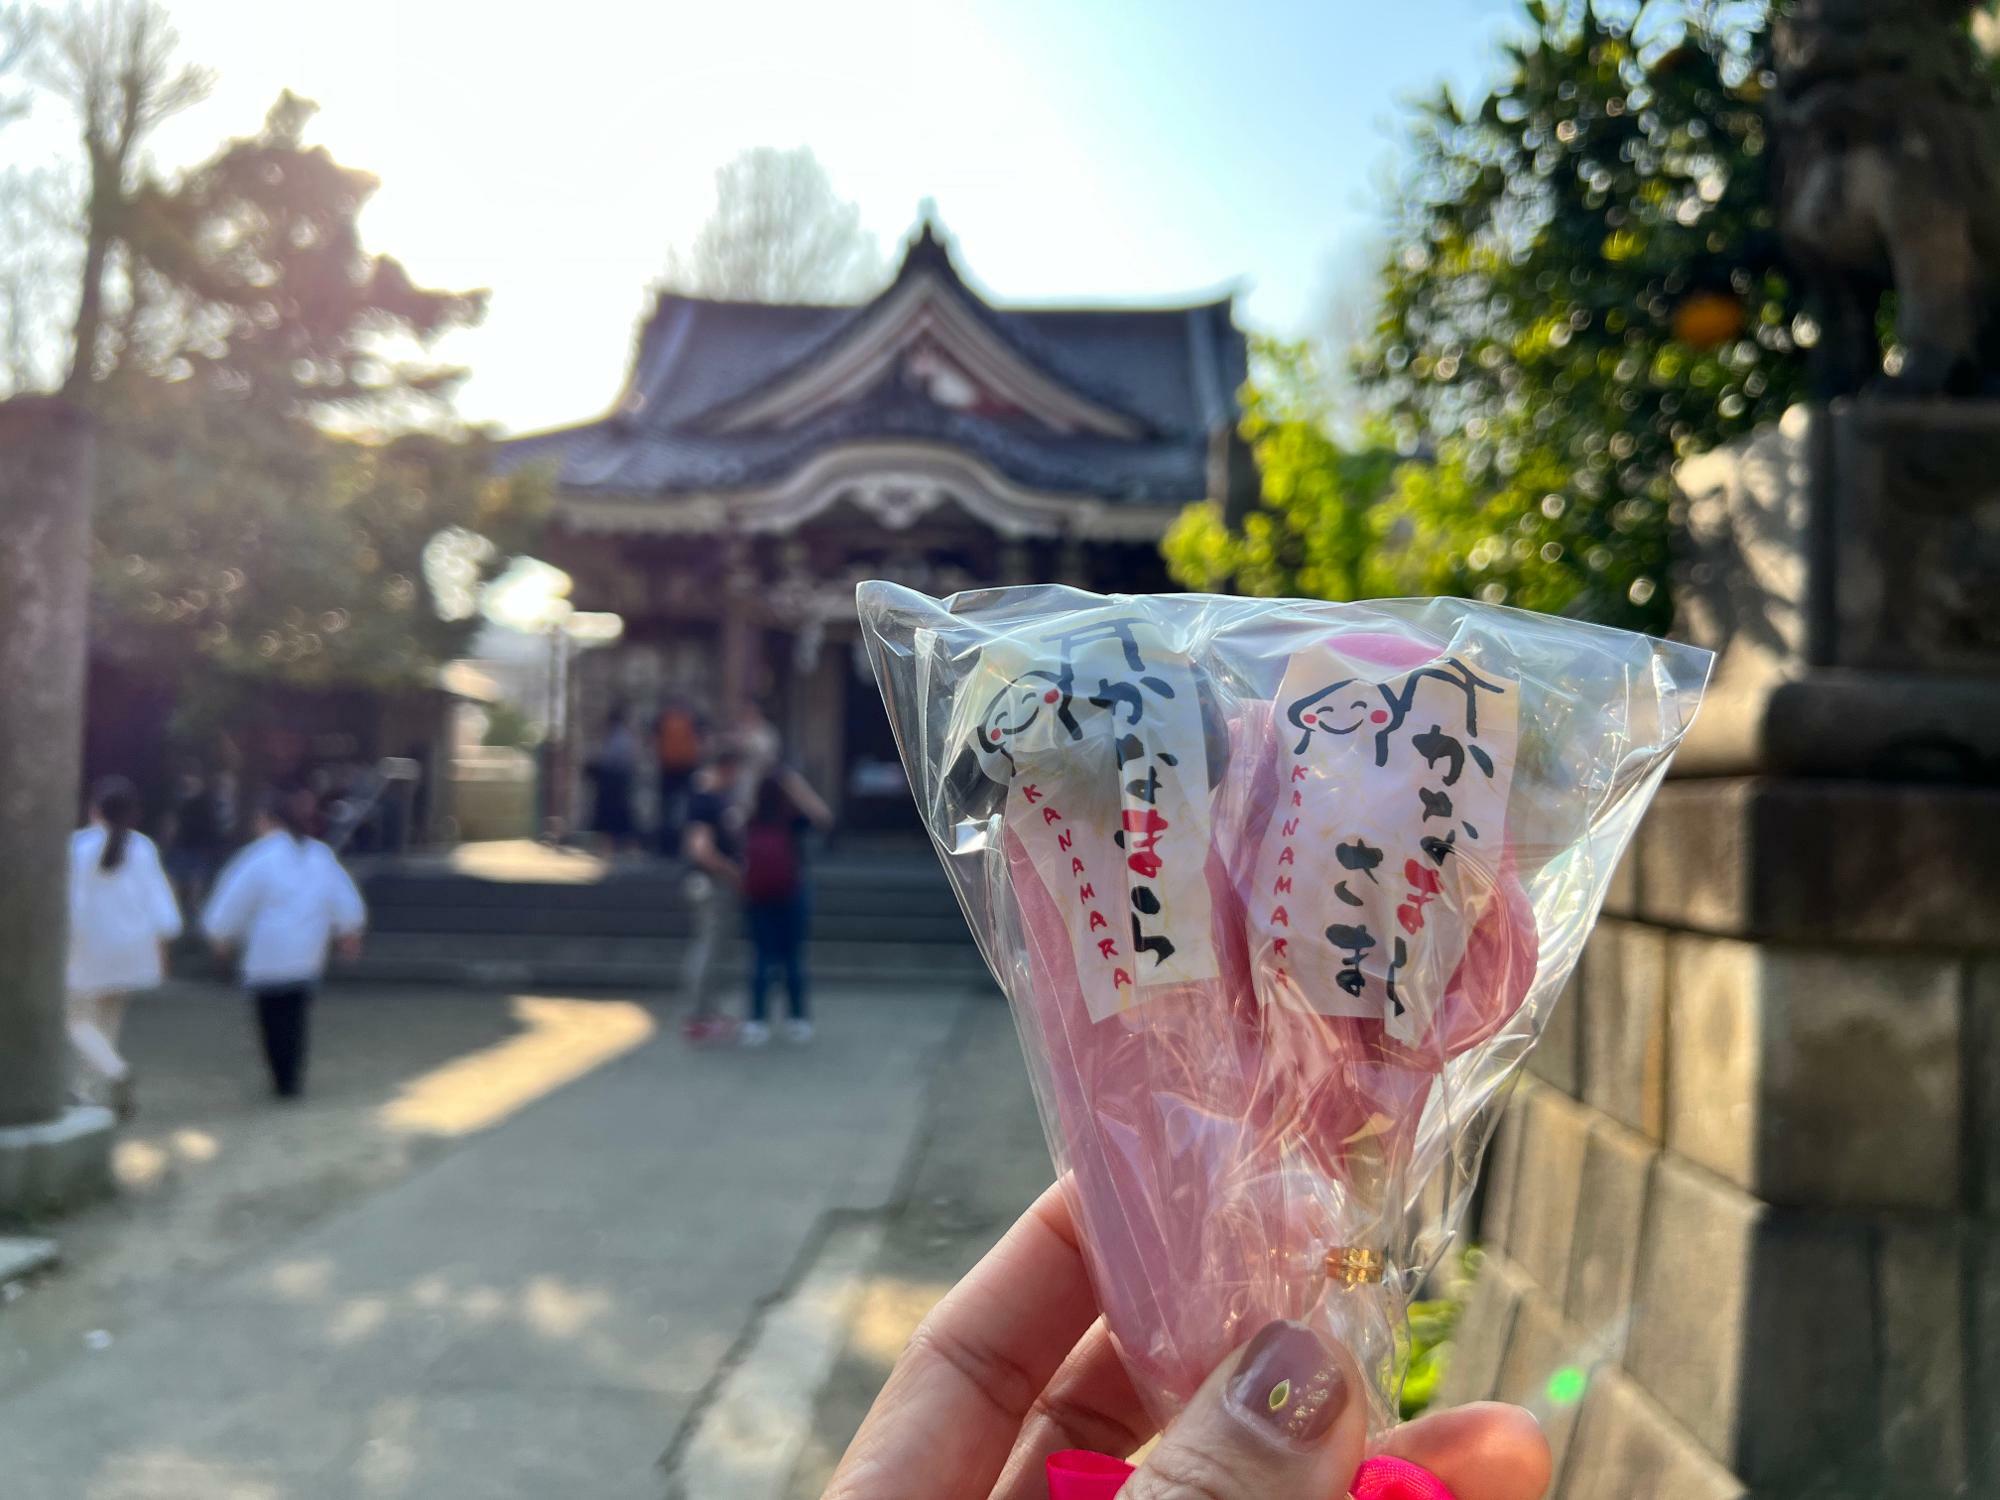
(1284, 1419)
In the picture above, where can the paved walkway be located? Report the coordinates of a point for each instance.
(545, 1239)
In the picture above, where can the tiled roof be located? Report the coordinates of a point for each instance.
(617, 456)
(1174, 371)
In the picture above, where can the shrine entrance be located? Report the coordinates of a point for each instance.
(764, 459)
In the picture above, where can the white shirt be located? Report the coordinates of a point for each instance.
(284, 900)
(117, 918)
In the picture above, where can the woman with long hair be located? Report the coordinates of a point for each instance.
(122, 915)
(283, 900)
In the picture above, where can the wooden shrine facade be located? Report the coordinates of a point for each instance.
(763, 459)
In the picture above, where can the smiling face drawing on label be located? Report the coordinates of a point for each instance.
(1343, 707)
(1340, 708)
(1021, 705)
(1097, 731)
(1390, 826)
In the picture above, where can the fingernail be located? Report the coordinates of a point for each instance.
(1289, 1383)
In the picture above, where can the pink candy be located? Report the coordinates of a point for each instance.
(1280, 892)
(1211, 1138)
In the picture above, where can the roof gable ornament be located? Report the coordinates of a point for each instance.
(929, 246)
(929, 332)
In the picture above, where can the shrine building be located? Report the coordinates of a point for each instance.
(762, 459)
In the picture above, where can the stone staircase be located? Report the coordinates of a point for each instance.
(520, 914)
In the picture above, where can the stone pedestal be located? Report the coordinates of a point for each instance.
(1742, 1215)
(1845, 566)
(59, 1164)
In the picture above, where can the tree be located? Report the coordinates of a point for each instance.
(779, 233)
(27, 214)
(113, 64)
(1582, 290)
(249, 515)
(1312, 533)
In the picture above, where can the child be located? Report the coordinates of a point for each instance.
(122, 915)
(283, 899)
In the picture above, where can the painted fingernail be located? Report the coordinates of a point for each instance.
(1289, 1383)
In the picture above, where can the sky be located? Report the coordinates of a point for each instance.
(1077, 150)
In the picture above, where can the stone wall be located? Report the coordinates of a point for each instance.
(1740, 1213)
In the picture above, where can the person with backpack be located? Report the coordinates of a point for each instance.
(776, 904)
(678, 742)
(122, 915)
(282, 901)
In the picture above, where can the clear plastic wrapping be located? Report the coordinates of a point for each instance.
(1281, 894)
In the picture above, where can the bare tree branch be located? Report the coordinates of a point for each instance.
(112, 63)
(38, 253)
(19, 29)
(779, 233)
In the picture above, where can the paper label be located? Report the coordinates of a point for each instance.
(1096, 729)
(1384, 849)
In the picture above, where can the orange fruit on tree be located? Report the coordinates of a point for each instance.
(1707, 320)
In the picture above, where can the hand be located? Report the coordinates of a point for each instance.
(348, 945)
(1015, 1365)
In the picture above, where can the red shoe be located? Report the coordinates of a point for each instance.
(708, 1031)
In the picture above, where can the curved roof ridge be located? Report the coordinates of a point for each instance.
(929, 255)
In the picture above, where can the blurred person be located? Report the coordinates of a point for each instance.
(757, 739)
(196, 839)
(677, 739)
(712, 844)
(283, 900)
(323, 789)
(122, 916)
(226, 789)
(777, 898)
(612, 770)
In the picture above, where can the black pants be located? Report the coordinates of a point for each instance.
(281, 1022)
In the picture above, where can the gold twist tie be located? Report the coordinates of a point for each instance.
(1352, 1266)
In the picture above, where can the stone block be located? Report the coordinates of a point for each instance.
(1625, 1025)
(1983, 1407)
(1627, 1448)
(1547, 1368)
(1982, 1071)
(1548, 1179)
(1472, 1372)
(1817, 1078)
(1621, 893)
(1983, 1388)
(1694, 858)
(1610, 1217)
(21, 1256)
(1845, 863)
(1690, 1299)
(1715, 1055)
(58, 1165)
(1503, 1160)
(1557, 1058)
(1854, 1043)
(1921, 1274)
(1752, 1327)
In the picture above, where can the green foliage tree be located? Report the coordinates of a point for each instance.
(1583, 289)
(1312, 534)
(281, 492)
